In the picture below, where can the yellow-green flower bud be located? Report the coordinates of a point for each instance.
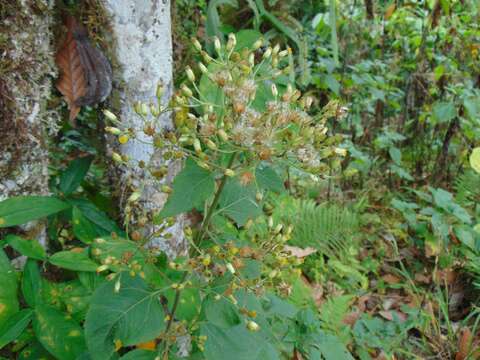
(196, 44)
(257, 44)
(113, 130)
(229, 173)
(267, 53)
(134, 196)
(160, 90)
(232, 41)
(190, 74)
(253, 326)
(211, 145)
(166, 189)
(217, 45)
(202, 68)
(109, 115)
(230, 268)
(186, 91)
(274, 90)
(197, 146)
(222, 134)
(117, 157)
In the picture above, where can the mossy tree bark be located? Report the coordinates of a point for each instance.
(26, 55)
(143, 52)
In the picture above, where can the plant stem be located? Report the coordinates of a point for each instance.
(199, 237)
(214, 204)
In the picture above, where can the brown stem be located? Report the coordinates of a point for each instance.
(199, 238)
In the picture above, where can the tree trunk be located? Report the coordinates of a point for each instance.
(143, 50)
(25, 82)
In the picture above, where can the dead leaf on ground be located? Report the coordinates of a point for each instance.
(299, 252)
(391, 279)
(390, 10)
(297, 355)
(464, 344)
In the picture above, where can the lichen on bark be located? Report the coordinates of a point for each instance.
(141, 32)
(25, 83)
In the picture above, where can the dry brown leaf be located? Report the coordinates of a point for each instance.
(390, 10)
(421, 278)
(464, 343)
(73, 81)
(297, 355)
(351, 318)
(299, 252)
(391, 279)
(85, 73)
(389, 315)
(443, 276)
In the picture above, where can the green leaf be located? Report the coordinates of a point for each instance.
(22, 209)
(99, 218)
(58, 333)
(34, 351)
(475, 159)
(267, 178)
(29, 248)
(396, 155)
(72, 177)
(221, 313)
(330, 348)
(132, 315)
(213, 23)
(444, 111)
(191, 187)
(8, 289)
(73, 260)
(14, 326)
(118, 248)
(84, 229)
(246, 38)
(32, 283)
(472, 105)
(140, 355)
(236, 343)
(238, 202)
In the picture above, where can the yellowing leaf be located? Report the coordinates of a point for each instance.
(118, 344)
(475, 159)
(149, 345)
(389, 11)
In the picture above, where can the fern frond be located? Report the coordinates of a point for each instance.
(467, 188)
(327, 227)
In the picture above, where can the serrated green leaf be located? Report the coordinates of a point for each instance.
(192, 186)
(26, 247)
(221, 312)
(238, 202)
(236, 343)
(132, 315)
(22, 209)
(267, 178)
